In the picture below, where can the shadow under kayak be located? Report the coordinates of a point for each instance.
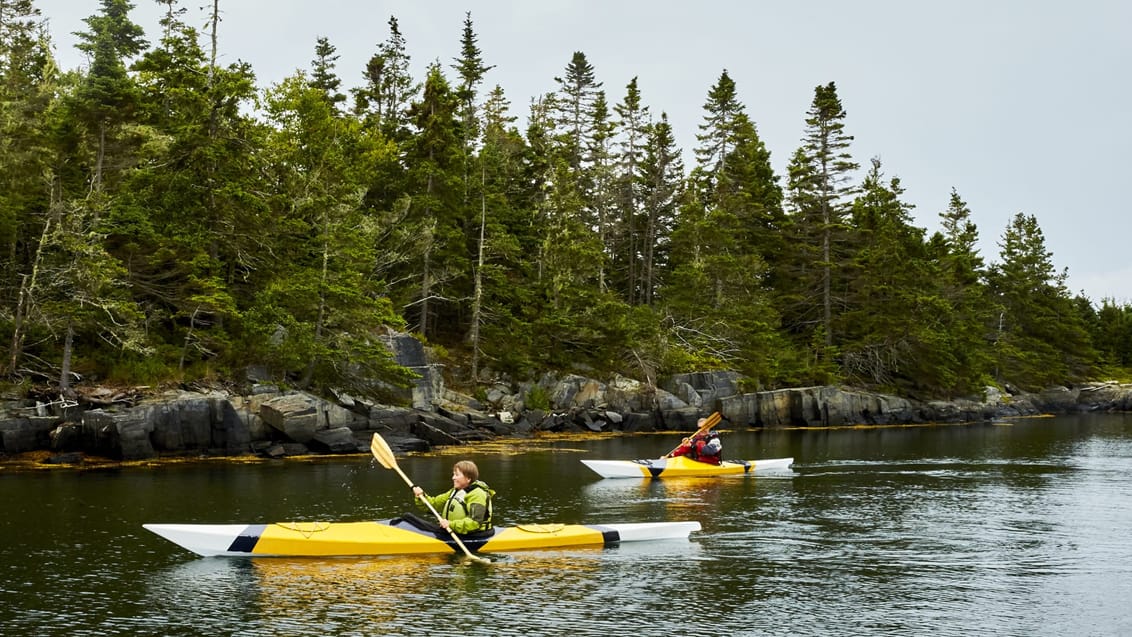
(399, 537)
(682, 466)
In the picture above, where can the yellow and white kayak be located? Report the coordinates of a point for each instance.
(398, 537)
(682, 466)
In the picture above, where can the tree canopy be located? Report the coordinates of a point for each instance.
(166, 219)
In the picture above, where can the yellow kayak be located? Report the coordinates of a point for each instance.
(399, 537)
(682, 466)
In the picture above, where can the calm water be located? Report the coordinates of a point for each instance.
(1019, 529)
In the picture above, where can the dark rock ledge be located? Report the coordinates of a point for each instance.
(270, 422)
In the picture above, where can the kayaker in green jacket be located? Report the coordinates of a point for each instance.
(466, 507)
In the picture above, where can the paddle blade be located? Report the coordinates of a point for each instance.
(382, 452)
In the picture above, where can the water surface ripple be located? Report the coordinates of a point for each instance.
(1017, 529)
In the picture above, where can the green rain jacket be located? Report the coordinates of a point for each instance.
(467, 510)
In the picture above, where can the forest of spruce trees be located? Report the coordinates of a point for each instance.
(166, 219)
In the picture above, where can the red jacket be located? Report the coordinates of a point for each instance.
(694, 449)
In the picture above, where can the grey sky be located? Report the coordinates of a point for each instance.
(1020, 105)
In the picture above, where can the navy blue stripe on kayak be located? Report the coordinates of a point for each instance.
(655, 467)
(608, 535)
(245, 542)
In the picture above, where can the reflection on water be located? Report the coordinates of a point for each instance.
(1011, 530)
(399, 594)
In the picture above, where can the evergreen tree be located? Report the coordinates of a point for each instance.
(318, 313)
(735, 181)
(383, 101)
(580, 138)
(1111, 331)
(659, 177)
(141, 191)
(442, 277)
(74, 291)
(963, 362)
(569, 137)
(23, 51)
(811, 282)
(322, 71)
(1040, 336)
(602, 179)
(539, 175)
(748, 186)
(575, 315)
(887, 332)
(107, 98)
(717, 134)
(578, 91)
(28, 82)
(720, 236)
(190, 220)
(80, 289)
(626, 239)
(471, 69)
(506, 302)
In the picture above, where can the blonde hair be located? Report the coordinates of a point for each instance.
(468, 468)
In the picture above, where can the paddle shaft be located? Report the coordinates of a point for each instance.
(711, 421)
(427, 503)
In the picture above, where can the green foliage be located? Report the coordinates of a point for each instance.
(537, 398)
(1041, 337)
(887, 268)
(154, 370)
(1111, 330)
(171, 221)
(819, 183)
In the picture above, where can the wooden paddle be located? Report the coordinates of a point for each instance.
(710, 422)
(385, 456)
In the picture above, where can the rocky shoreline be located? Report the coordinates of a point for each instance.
(271, 422)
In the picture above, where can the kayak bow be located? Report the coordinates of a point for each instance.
(681, 466)
(398, 537)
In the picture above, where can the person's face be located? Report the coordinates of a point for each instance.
(459, 480)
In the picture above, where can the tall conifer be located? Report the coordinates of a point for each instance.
(442, 277)
(323, 76)
(1039, 336)
(660, 180)
(890, 301)
(819, 185)
(625, 237)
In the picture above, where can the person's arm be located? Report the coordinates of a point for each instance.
(437, 501)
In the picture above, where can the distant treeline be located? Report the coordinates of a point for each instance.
(163, 218)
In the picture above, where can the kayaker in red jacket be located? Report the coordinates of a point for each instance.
(704, 447)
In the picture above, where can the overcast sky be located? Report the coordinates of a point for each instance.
(1019, 105)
